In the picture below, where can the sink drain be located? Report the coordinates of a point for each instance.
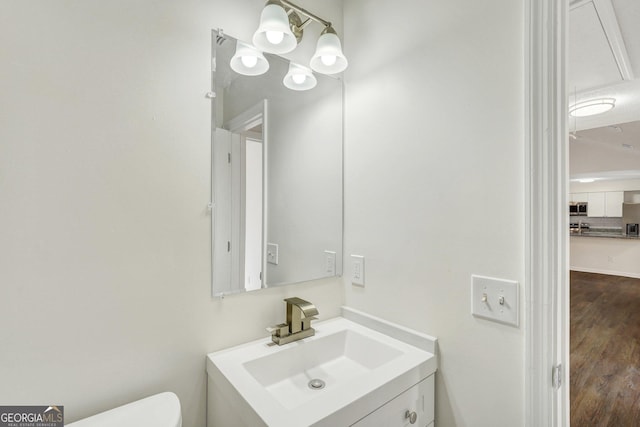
(316, 384)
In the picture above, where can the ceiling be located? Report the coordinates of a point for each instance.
(604, 61)
(608, 152)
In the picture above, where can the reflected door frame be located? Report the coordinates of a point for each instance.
(546, 237)
(256, 115)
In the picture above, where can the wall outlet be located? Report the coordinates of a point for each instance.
(495, 299)
(330, 263)
(357, 270)
(272, 253)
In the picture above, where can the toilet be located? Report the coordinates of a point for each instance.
(159, 410)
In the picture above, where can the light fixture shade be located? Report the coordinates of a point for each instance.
(299, 78)
(592, 107)
(328, 58)
(248, 60)
(274, 22)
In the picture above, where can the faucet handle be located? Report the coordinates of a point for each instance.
(281, 330)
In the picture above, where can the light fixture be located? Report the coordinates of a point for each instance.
(274, 34)
(592, 107)
(328, 58)
(248, 60)
(299, 78)
(586, 180)
(281, 29)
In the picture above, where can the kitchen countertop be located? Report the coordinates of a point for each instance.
(612, 233)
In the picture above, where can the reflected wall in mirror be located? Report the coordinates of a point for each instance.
(276, 176)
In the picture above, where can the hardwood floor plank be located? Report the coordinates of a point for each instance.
(605, 350)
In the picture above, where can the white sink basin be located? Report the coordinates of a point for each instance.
(268, 385)
(336, 358)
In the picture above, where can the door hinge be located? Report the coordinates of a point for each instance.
(228, 246)
(228, 157)
(556, 376)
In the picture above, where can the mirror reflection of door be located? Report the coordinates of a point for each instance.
(253, 213)
(238, 201)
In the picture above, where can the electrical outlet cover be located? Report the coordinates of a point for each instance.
(330, 263)
(357, 270)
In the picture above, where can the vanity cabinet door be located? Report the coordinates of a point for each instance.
(418, 399)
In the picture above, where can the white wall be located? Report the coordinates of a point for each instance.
(304, 206)
(104, 182)
(104, 179)
(434, 185)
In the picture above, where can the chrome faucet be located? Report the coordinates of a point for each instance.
(299, 316)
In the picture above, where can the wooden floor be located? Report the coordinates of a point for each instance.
(605, 350)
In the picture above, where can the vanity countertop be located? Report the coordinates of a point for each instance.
(364, 361)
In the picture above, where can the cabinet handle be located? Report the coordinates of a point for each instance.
(412, 416)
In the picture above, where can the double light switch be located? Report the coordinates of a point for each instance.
(495, 299)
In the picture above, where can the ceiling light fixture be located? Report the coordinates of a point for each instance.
(248, 60)
(281, 29)
(299, 78)
(592, 107)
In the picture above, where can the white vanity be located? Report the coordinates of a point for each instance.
(357, 370)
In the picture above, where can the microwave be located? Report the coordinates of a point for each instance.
(578, 208)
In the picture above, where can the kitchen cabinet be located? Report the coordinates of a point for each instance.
(605, 204)
(613, 203)
(415, 404)
(596, 205)
(579, 197)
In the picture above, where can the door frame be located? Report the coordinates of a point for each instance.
(546, 161)
(242, 123)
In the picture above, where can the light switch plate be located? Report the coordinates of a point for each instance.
(495, 299)
(272, 253)
(357, 270)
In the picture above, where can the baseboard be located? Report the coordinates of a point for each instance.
(609, 272)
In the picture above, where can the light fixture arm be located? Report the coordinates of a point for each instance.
(302, 11)
(281, 29)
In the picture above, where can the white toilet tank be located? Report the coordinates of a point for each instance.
(159, 410)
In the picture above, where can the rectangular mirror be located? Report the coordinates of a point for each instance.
(276, 176)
